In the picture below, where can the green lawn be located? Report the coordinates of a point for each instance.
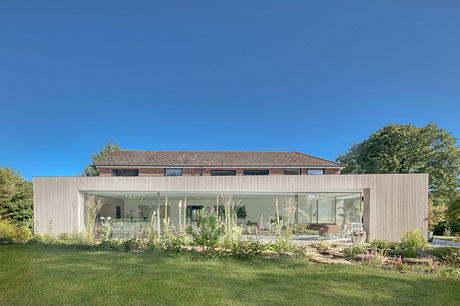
(37, 274)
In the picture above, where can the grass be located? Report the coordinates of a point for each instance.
(39, 274)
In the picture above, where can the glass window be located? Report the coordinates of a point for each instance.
(315, 171)
(291, 171)
(125, 172)
(223, 172)
(118, 212)
(255, 172)
(173, 172)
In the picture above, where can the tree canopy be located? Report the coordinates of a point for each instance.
(405, 148)
(16, 197)
(91, 169)
(453, 210)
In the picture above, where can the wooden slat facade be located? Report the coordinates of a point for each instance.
(393, 203)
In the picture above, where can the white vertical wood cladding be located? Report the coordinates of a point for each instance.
(393, 203)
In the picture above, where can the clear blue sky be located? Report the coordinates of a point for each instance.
(311, 76)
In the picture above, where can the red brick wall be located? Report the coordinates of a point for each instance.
(191, 171)
(277, 171)
(105, 171)
(332, 171)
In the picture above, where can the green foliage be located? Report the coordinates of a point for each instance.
(384, 244)
(106, 229)
(130, 244)
(437, 217)
(453, 210)
(13, 233)
(399, 148)
(411, 242)
(75, 239)
(16, 200)
(351, 251)
(449, 255)
(97, 156)
(175, 242)
(208, 231)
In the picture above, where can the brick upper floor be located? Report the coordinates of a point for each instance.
(213, 163)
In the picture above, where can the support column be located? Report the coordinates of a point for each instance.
(158, 215)
(366, 213)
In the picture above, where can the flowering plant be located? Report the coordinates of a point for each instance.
(359, 233)
(106, 228)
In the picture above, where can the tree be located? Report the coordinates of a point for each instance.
(453, 210)
(91, 169)
(16, 197)
(405, 148)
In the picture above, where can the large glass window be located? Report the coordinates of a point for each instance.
(223, 172)
(125, 172)
(256, 172)
(315, 171)
(173, 172)
(310, 214)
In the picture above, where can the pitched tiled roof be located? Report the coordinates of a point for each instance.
(214, 159)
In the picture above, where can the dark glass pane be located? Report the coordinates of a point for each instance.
(291, 171)
(255, 172)
(134, 172)
(223, 172)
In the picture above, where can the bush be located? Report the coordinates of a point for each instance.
(130, 244)
(384, 244)
(411, 242)
(449, 255)
(351, 251)
(175, 242)
(13, 233)
(208, 231)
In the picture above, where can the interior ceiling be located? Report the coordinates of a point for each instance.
(152, 196)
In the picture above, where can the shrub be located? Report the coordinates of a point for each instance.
(282, 243)
(411, 242)
(208, 231)
(106, 228)
(351, 251)
(321, 244)
(13, 233)
(449, 255)
(130, 244)
(174, 243)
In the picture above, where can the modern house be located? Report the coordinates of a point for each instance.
(135, 187)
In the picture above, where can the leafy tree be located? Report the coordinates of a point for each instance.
(16, 197)
(453, 210)
(91, 169)
(405, 148)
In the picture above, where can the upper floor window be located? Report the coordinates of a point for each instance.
(315, 171)
(125, 172)
(255, 172)
(223, 172)
(291, 171)
(173, 172)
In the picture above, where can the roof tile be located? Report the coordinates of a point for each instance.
(214, 159)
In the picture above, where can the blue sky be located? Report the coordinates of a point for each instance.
(310, 76)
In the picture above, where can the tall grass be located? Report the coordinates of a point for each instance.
(92, 208)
